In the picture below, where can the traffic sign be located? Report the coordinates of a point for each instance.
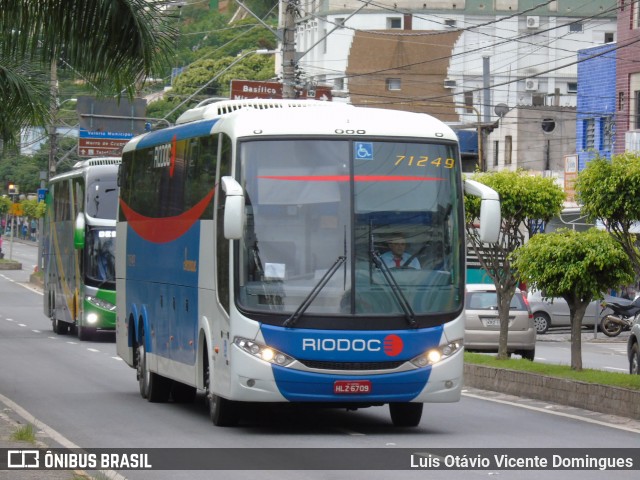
(245, 89)
(102, 144)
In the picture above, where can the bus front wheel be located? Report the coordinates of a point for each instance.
(223, 412)
(405, 414)
(153, 387)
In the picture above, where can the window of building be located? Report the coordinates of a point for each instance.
(589, 134)
(572, 87)
(609, 37)
(636, 112)
(620, 100)
(575, 27)
(449, 22)
(537, 100)
(338, 83)
(508, 148)
(339, 21)
(548, 125)
(394, 23)
(468, 102)
(606, 133)
(496, 151)
(394, 84)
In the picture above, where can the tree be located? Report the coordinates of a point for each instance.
(577, 266)
(115, 44)
(252, 67)
(525, 200)
(610, 192)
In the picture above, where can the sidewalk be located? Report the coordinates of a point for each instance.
(10, 423)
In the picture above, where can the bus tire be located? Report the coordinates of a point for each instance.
(85, 333)
(222, 412)
(155, 388)
(61, 328)
(405, 414)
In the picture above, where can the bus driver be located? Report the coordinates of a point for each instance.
(397, 257)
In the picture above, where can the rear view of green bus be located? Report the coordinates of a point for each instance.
(79, 248)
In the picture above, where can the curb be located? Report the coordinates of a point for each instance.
(588, 396)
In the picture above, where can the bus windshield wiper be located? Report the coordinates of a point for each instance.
(289, 322)
(395, 288)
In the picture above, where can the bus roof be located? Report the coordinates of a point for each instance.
(260, 117)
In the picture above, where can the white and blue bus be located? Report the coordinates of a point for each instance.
(251, 258)
(79, 248)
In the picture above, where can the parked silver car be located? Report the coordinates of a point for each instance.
(554, 312)
(633, 349)
(482, 323)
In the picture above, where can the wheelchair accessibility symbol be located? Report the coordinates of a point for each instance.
(363, 151)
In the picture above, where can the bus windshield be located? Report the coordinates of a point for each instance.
(102, 198)
(379, 211)
(99, 257)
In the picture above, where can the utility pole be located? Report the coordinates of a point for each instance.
(288, 12)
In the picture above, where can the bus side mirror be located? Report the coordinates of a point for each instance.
(233, 208)
(490, 216)
(78, 231)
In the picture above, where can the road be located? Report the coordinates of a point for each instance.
(89, 398)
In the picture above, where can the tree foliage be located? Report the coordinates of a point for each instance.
(610, 192)
(577, 266)
(525, 200)
(114, 44)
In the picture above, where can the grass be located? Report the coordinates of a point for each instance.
(601, 377)
(25, 433)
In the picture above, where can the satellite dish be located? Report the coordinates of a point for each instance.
(501, 109)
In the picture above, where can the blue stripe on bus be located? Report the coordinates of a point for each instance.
(297, 386)
(351, 346)
(181, 132)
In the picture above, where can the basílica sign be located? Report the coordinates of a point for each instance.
(246, 89)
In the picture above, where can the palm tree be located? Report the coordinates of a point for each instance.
(114, 44)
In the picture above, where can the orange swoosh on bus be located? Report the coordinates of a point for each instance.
(167, 229)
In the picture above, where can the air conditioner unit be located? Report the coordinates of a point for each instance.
(448, 83)
(531, 85)
(533, 22)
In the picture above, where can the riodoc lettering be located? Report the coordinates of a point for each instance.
(341, 345)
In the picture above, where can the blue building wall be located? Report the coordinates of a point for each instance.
(596, 103)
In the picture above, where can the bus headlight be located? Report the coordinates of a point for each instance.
(98, 302)
(263, 352)
(437, 354)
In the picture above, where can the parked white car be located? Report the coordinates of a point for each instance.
(554, 312)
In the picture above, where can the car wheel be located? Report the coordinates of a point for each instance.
(542, 322)
(634, 360)
(528, 354)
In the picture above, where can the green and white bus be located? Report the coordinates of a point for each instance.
(79, 248)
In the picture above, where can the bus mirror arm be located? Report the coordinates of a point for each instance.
(78, 231)
(233, 208)
(490, 216)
